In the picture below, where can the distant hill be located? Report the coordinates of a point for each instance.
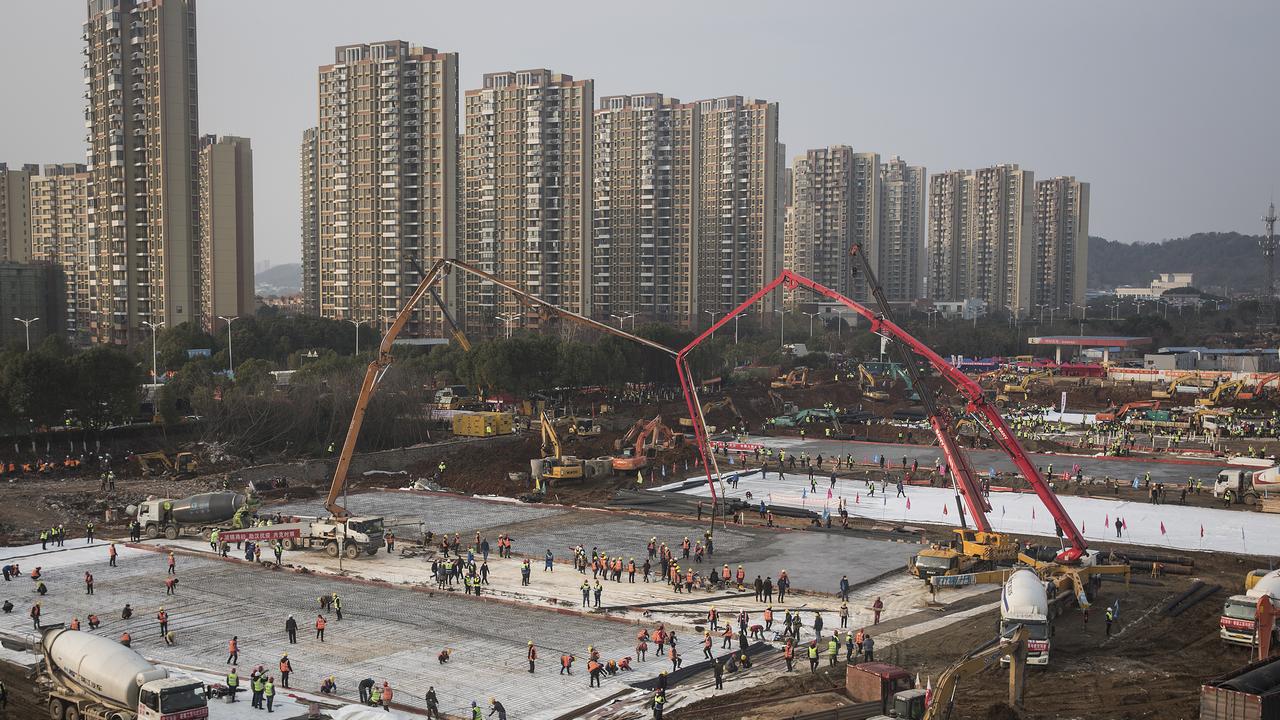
(279, 280)
(1220, 261)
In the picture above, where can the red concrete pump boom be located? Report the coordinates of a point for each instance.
(976, 403)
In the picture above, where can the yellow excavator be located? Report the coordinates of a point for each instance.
(797, 378)
(940, 701)
(556, 465)
(157, 463)
(867, 384)
(1026, 381)
(1223, 388)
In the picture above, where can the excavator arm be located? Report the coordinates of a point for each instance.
(383, 360)
(1015, 646)
(977, 404)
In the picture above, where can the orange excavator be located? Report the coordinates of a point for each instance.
(1255, 392)
(649, 439)
(1113, 414)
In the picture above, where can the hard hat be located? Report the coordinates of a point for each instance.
(530, 642)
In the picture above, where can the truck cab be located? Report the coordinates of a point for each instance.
(1038, 638)
(1239, 616)
(172, 699)
(940, 560)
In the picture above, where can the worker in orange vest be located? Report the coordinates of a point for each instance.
(233, 651)
(706, 644)
(768, 618)
(163, 618)
(111, 555)
(712, 616)
(789, 653)
(286, 667)
(125, 639)
(320, 623)
(725, 575)
(741, 576)
(75, 624)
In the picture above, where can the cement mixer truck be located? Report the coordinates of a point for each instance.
(89, 677)
(196, 514)
(1236, 626)
(1025, 601)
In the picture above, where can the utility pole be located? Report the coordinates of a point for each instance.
(1268, 244)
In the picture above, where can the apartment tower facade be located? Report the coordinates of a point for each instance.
(1061, 242)
(527, 173)
(59, 232)
(15, 212)
(643, 225)
(141, 116)
(387, 181)
(309, 222)
(739, 215)
(901, 228)
(226, 229)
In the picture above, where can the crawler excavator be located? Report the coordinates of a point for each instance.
(555, 465)
(653, 437)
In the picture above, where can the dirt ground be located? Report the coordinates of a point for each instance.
(1152, 667)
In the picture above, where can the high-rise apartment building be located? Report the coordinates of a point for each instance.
(141, 115)
(226, 228)
(739, 213)
(59, 234)
(387, 182)
(835, 197)
(527, 174)
(644, 189)
(15, 212)
(981, 237)
(309, 223)
(1061, 242)
(901, 228)
(821, 217)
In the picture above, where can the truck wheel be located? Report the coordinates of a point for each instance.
(352, 551)
(73, 713)
(371, 551)
(1250, 499)
(55, 709)
(171, 532)
(291, 544)
(331, 549)
(152, 532)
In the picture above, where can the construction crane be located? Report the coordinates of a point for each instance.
(556, 465)
(383, 360)
(977, 405)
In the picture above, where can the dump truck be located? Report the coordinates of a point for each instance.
(1249, 693)
(89, 677)
(874, 685)
(196, 514)
(1025, 601)
(1246, 485)
(1239, 612)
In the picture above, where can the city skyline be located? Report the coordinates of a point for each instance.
(1120, 132)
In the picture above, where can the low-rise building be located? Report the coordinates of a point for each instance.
(1162, 284)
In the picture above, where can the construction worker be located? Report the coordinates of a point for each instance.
(126, 639)
(268, 693)
(496, 707)
(163, 618)
(566, 664)
(386, 696)
(713, 618)
(813, 655)
(532, 654)
(320, 623)
(594, 670)
(111, 555)
(88, 583)
(233, 680)
(877, 607)
(868, 648)
(375, 696)
(286, 667)
(789, 653)
(768, 618)
(433, 703)
(171, 585)
(706, 644)
(586, 593)
(833, 650)
(844, 615)
(291, 627)
(1111, 617)
(366, 690)
(659, 699)
(172, 563)
(75, 624)
(676, 660)
(336, 603)
(598, 589)
(233, 651)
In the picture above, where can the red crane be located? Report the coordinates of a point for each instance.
(976, 404)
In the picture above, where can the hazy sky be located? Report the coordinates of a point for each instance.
(1169, 108)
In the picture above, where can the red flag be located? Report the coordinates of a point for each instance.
(908, 503)
(1124, 523)
(1081, 528)
(1162, 532)
(945, 511)
(828, 493)
(1107, 522)
(1202, 531)
(1033, 512)
(857, 499)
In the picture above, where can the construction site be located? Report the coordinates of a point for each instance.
(880, 537)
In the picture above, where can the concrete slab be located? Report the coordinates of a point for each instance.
(440, 512)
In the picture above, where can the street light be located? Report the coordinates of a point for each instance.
(230, 366)
(154, 327)
(736, 318)
(782, 327)
(357, 323)
(933, 316)
(506, 319)
(712, 313)
(621, 318)
(811, 315)
(27, 327)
